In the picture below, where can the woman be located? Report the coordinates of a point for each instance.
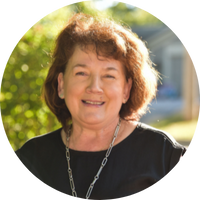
(98, 86)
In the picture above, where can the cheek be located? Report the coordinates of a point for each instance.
(115, 91)
(71, 86)
(73, 92)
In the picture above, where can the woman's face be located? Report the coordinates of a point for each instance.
(93, 89)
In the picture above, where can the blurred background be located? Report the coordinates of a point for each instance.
(175, 109)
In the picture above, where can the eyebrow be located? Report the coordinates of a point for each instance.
(85, 66)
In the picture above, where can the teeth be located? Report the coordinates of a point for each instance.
(96, 103)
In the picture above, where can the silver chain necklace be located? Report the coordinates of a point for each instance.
(100, 169)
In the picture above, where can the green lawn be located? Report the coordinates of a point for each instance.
(180, 129)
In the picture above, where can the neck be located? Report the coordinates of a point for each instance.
(84, 138)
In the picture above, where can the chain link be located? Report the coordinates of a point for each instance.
(71, 180)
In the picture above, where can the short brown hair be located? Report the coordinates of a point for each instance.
(110, 40)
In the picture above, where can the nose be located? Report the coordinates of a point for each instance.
(94, 84)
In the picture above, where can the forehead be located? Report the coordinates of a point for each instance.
(88, 57)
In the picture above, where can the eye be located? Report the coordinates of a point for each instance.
(80, 73)
(110, 76)
(84, 73)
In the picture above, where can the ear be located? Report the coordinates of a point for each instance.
(61, 85)
(127, 90)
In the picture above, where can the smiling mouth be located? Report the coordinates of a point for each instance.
(90, 104)
(93, 102)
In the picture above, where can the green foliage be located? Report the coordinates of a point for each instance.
(24, 114)
(132, 15)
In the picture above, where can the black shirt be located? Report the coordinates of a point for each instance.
(139, 161)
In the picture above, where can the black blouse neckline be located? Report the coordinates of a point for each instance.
(115, 147)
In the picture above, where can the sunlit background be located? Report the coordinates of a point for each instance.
(24, 115)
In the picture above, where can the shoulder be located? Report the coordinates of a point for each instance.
(36, 154)
(149, 136)
(152, 147)
(156, 141)
(40, 143)
(159, 144)
(149, 131)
